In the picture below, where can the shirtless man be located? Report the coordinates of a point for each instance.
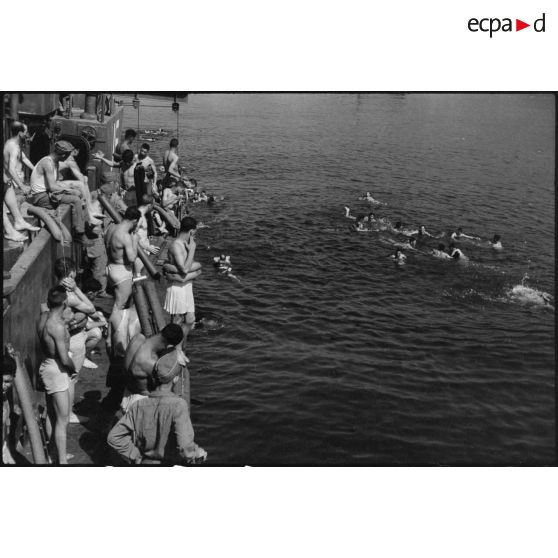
(48, 191)
(57, 368)
(141, 357)
(65, 271)
(170, 161)
(440, 252)
(122, 250)
(179, 301)
(125, 144)
(459, 234)
(149, 165)
(13, 160)
(126, 166)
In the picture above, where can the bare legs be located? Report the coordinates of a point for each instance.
(10, 201)
(58, 414)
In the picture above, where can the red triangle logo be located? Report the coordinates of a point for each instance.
(519, 25)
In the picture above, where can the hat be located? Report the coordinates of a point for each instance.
(167, 367)
(62, 147)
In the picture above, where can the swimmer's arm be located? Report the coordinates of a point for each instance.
(120, 438)
(58, 334)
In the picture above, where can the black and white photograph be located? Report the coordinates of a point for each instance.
(279, 278)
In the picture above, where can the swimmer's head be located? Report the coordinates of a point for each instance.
(412, 241)
(398, 252)
(422, 230)
(172, 334)
(496, 238)
(173, 143)
(65, 267)
(57, 297)
(459, 230)
(397, 225)
(456, 255)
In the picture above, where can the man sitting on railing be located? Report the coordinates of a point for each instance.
(48, 192)
(13, 161)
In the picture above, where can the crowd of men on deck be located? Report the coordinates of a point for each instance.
(148, 375)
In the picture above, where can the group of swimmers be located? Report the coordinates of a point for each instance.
(366, 222)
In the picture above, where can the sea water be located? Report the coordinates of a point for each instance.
(328, 352)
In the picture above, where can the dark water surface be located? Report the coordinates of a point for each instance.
(331, 354)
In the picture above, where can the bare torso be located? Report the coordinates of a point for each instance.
(12, 149)
(115, 244)
(48, 324)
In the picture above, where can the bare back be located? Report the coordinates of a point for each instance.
(50, 329)
(139, 362)
(116, 243)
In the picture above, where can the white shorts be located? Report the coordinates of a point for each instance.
(180, 299)
(54, 379)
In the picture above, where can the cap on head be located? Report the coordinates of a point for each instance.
(166, 368)
(63, 147)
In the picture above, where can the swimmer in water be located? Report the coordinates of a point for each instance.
(456, 253)
(348, 213)
(459, 234)
(422, 232)
(368, 198)
(495, 242)
(440, 252)
(398, 256)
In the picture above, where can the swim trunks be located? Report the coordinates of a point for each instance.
(118, 273)
(180, 299)
(54, 379)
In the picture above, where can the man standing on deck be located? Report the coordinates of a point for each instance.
(157, 428)
(150, 169)
(13, 161)
(141, 357)
(170, 162)
(124, 145)
(179, 301)
(122, 250)
(57, 368)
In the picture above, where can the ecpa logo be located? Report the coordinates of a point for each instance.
(493, 25)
